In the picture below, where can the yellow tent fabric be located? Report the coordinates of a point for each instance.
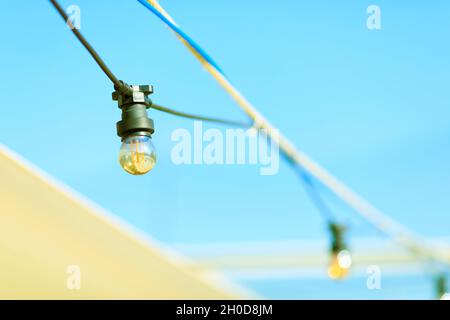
(56, 245)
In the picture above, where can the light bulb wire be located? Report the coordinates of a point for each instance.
(313, 193)
(125, 89)
(198, 117)
(120, 86)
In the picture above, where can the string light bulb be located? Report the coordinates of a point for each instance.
(137, 154)
(340, 264)
(441, 287)
(341, 258)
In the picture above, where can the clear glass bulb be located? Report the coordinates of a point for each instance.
(137, 155)
(340, 265)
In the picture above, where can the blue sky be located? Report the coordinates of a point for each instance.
(373, 107)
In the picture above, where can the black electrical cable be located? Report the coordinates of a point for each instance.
(197, 117)
(117, 83)
(120, 86)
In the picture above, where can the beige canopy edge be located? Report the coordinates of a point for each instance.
(56, 244)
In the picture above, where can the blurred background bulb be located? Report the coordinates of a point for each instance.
(137, 154)
(340, 264)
